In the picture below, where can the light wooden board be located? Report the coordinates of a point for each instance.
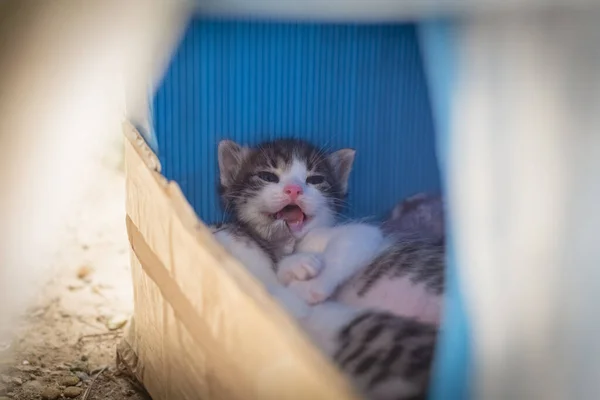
(203, 327)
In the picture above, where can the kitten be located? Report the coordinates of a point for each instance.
(285, 196)
(275, 194)
(278, 193)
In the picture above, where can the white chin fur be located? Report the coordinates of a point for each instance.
(320, 220)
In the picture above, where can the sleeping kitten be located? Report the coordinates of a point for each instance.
(279, 192)
(419, 213)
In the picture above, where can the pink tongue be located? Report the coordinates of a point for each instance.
(294, 217)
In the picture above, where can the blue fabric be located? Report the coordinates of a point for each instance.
(338, 85)
(452, 366)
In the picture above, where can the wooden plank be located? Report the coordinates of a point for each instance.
(220, 334)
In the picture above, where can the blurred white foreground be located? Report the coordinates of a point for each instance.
(66, 68)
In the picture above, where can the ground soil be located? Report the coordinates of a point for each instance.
(66, 343)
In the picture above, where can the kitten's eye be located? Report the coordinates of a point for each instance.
(315, 179)
(268, 176)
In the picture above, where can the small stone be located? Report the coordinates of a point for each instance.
(82, 376)
(71, 380)
(84, 272)
(72, 392)
(25, 362)
(80, 366)
(28, 369)
(50, 393)
(33, 388)
(97, 289)
(74, 287)
(117, 322)
(84, 358)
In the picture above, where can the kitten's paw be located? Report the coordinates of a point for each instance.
(313, 291)
(299, 267)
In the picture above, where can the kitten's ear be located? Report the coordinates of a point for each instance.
(231, 155)
(342, 161)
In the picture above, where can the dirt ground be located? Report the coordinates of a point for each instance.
(65, 346)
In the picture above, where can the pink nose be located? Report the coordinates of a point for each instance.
(293, 191)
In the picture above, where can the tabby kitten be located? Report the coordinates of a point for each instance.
(285, 193)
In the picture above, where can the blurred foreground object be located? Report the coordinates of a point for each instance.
(64, 70)
(524, 165)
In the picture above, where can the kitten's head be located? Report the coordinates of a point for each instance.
(283, 188)
(422, 212)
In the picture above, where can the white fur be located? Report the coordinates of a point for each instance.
(259, 265)
(321, 322)
(343, 250)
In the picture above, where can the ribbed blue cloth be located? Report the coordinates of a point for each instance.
(337, 85)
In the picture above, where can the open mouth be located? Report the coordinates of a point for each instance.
(293, 216)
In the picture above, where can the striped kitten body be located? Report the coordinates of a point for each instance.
(408, 278)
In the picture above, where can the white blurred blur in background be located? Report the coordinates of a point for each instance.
(65, 70)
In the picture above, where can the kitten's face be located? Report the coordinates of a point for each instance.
(285, 187)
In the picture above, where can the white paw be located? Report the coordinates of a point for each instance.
(314, 291)
(299, 267)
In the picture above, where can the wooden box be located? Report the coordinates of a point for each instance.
(203, 328)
